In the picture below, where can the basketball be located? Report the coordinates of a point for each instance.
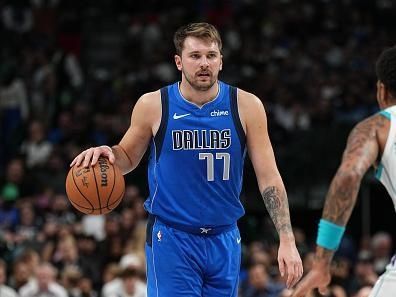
(95, 189)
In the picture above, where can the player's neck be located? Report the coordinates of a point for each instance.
(198, 97)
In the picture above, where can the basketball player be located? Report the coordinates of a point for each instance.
(371, 143)
(198, 131)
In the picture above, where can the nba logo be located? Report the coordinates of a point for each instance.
(159, 235)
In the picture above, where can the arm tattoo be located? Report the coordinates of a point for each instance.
(278, 208)
(361, 152)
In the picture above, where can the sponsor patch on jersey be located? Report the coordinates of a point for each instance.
(219, 113)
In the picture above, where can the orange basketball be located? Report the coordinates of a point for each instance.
(95, 189)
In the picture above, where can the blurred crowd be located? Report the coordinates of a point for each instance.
(311, 62)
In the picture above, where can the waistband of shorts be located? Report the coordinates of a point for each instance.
(205, 230)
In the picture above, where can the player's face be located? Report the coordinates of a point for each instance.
(200, 63)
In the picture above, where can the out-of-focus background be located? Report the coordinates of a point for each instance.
(70, 74)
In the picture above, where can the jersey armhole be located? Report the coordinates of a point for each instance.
(380, 166)
(160, 135)
(385, 114)
(236, 118)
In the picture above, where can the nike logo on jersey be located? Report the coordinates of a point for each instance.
(179, 116)
(239, 240)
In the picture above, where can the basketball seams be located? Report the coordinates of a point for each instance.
(87, 208)
(75, 184)
(97, 191)
(118, 200)
(108, 207)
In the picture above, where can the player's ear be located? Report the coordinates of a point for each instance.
(382, 95)
(221, 62)
(178, 62)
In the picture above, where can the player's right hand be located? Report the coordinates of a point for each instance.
(319, 277)
(91, 156)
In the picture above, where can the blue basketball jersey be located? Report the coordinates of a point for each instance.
(196, 160)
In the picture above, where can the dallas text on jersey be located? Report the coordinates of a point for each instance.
(201, 139)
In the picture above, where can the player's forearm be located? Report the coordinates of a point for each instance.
(339, 203)
(122, 160)
(323, 256)
(277, 205)
(341, 197)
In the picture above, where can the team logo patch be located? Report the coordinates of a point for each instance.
(159, 235)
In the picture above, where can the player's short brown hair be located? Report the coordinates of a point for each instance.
(199, 30)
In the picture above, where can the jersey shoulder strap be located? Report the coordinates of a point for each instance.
(235, 116)
(159, 137)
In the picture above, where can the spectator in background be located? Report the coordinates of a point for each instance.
(17, 17)
(52, 176)
(63, 130)
(66, 253)
(289, 114)
(364, 274)
(128, 222)
(128, 285)
(69, 279)
(381, 247)
(129, 282)
(110, 272)
(260, 284)
(16, 183)
(29, 225)
(86, 287)
(60, 211)
(20, 274)
(90, 261)
(43, 84)
(32, 260)
(76, 284)
(36, 148)
(5, 291)
(47, 239)
(69, 76)
(43, 284)
(14, 109)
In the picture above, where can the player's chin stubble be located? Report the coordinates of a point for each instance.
(197, 86)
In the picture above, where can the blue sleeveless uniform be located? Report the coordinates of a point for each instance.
(195, 178)
(196, 162)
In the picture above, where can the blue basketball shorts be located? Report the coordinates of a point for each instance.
(183, 264)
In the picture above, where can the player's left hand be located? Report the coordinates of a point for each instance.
(319, 277)
(290, 264)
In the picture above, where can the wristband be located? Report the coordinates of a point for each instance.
(329, 235)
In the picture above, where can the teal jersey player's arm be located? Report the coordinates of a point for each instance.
(361, 152)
